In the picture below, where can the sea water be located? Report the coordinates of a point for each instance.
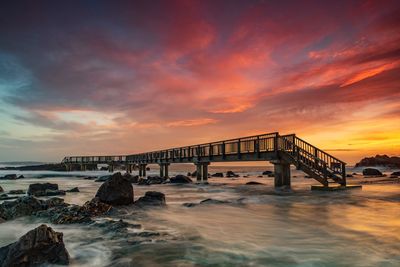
(259, 226)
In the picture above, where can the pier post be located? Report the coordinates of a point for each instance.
(111, 167)
(282, 173)
(202, 171)
(142, 170)
(198, 172)
(83, 167)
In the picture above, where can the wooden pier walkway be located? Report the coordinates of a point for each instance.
(281, 150)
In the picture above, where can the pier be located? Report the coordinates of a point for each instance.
(281, 150)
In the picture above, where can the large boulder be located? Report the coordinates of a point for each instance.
(116, 191)
(40, 189)
(39, 246)
(372, 172)
(151, 198)
(180, 179)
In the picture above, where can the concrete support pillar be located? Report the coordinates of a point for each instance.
(68, 167)
(128, 168)
(202, 171)
(282, 173)
(83, 167)
(111, 167)
(164, 170)
(142, 170)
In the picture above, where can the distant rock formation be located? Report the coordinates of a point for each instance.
(380, 160)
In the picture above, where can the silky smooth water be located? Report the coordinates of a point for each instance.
(260, 227)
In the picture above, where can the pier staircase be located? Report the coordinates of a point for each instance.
(315, 162)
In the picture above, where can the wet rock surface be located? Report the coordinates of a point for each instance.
(39, 246)
(131, 178)
(254, 183)
(9, 177)
(218, 174)
(180, 179)
(116, 191)
(372, 172)
(1, 189)
(39, 189)
(151, 198)
(208, 201)
(23, 206)
(103, 178)
(73, 190)
(16, 192)
(231, 174)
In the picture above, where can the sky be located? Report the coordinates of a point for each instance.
(122, 77)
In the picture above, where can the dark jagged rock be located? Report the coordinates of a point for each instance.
(267, 172)
(73, 190)
(116, 191)
(40, 189)
(395, 173)
(193, 174)
(16, 192)
(180, 179)
(231, 174)
(372, 172)
(254, 183)
(218, 174)
(90, 177)
(103, 178)
(380, 160)
(131, 178)
(349, 175)
(95, 207)
(104, 168)
(7, 197)
(151, 198)
(1, 189)
(21, 177)
(23, 206)
(39, 246)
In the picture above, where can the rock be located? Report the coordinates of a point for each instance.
(380, 160)
(1, 189)
(40, 189)
(349, 175)
(95, 207)
(54, 202)
(147, 168)
(116, 191)
(260, 176)
(180, 179)
(20, 177)
(155, 180)
(395, 173)
(151, 198)
(354, 173)
(103, 178)
(9, 177)
(267, 172)
(231, 174)
(7, 197)
(206, 202)
(73, 190)
(104, 168)
(271, 175)
(371, 171)
(90, 177)
(131, 178)
(51, 193)
(218, 174)
(193, 174)
(37, 247)
(23, 206)
(16, 192)
(254, 183)
(142, 181)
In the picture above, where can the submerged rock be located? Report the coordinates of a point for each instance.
(116, 191)
(206, 202)
(151, 198)
(39, 189)
(218, 174)
(20, 177)
(73, 190)
(372, 171)
(267, 172)
(39, 246)
(142, 181)
(7, 197)
(155, 180)
(254, 183)
(9, 177)
(231, 174)
(180, 179)
(1, 189)
(395, 173)
(16, 192)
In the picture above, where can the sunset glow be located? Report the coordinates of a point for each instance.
(137, 76)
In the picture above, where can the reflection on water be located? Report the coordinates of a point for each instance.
(267, 227)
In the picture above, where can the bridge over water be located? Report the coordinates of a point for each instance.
(280, 150)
